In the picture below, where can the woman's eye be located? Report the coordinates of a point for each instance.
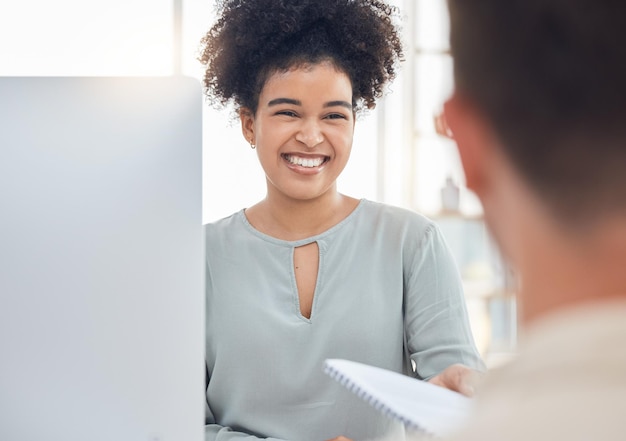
(336, 116)
(287, 113)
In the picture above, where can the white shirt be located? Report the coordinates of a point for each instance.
(568, 383)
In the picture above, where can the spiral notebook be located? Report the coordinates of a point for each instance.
(419, 405)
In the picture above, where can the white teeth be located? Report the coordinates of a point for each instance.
(309, 163)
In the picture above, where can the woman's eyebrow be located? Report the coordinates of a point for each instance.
(345, 104)
(278, 101)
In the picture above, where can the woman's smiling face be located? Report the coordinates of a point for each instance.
(303, 130)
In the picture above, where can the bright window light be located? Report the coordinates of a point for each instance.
(70, 37)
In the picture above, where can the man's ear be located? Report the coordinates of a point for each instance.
(247, 125)
(473, 138)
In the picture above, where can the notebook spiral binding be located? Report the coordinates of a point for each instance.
(377, 404)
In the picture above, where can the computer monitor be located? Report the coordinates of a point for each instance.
(101, 259)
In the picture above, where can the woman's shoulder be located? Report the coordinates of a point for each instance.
(383, 215)
(398, 227)
(225, 224)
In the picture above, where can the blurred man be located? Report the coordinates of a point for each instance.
(539, 116)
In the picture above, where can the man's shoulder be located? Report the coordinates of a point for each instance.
(568, 381)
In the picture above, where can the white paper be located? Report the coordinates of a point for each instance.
(418, 404)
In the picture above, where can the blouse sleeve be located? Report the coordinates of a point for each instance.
(436, 324)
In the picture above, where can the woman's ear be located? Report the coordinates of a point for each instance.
(473, 138)
(247, 125)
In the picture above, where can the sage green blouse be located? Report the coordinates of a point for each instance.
(387, 292)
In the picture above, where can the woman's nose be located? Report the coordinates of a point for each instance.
(310, 134)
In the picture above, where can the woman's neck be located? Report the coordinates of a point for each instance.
(291, 219)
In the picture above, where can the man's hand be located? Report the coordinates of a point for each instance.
(458, 378)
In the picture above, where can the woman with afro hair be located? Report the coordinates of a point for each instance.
(308, 273)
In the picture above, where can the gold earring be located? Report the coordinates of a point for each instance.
(252, 146)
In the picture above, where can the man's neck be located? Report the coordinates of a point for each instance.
(568, 270)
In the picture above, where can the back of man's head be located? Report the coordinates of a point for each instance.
(550, 76)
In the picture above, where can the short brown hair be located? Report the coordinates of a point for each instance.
(551, 77)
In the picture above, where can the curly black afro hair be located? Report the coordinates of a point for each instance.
(253, 39)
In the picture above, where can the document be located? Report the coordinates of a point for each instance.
(421, 406)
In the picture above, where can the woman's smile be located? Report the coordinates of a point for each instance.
(305, 163)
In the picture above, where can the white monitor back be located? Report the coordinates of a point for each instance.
(101, 251)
